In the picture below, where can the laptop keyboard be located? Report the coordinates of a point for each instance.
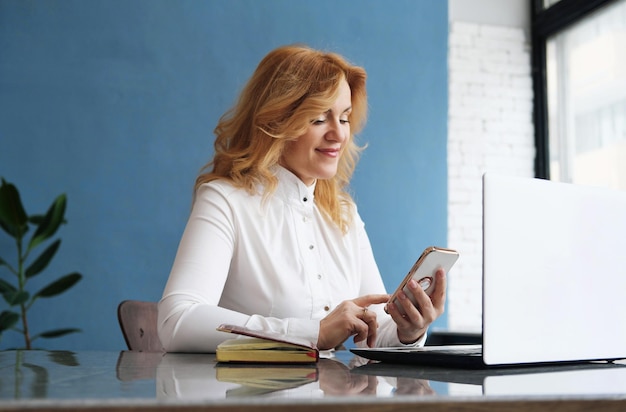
(466, 350)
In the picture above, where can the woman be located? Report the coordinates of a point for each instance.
(274, 241)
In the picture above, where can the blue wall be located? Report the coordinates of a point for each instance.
(114, 102)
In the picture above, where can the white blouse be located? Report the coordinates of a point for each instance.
(271, 263)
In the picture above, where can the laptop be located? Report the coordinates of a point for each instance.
(554, 278)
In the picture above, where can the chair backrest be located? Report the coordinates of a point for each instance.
(138, 321)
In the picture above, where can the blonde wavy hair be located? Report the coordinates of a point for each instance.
(291, 86)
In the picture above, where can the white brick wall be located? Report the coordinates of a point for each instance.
(490, 128)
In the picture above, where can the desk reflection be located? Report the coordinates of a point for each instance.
(61, 375)
(193, 376)
(198, 376)
(588, 378)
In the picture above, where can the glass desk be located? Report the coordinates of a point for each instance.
(132, 381)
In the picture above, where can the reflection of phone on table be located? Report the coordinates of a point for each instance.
(423, 271)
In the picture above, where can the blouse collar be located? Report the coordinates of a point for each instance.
(291, 187)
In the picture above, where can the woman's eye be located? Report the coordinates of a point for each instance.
(344, 121)
(318, 121)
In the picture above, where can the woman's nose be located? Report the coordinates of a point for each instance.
(337, 131)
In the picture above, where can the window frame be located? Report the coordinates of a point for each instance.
(545, 22)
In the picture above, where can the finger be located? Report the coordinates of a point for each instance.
(406, 298)
(374, 299)
(438, 296)
(402, 321)
(424, 304)
(369, 317)
(367, 326)
(360, 331)
(409, 329)
(372, 328)
(368, 332)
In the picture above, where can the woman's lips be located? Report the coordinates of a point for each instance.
(329, 152)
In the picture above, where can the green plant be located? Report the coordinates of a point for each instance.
(15, 222)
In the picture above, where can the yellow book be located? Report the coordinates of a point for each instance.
(264, 347)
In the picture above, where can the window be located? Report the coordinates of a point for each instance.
(580, 91)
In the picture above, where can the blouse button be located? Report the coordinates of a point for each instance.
(326, 308)
(305, 219)
(319, 276)
(305, 199)
(311, 247)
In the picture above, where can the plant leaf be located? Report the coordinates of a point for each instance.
(12, 231)
(37, 219)
(8, 292)
(57, 333)
(13, 219)
(16, 297)
(8, 319)
(6, 286)
(59, 286)
(50, 223)
(42, 261)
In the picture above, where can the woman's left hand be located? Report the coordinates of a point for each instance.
(414, 324)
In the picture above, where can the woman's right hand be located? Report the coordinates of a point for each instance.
(350, 317)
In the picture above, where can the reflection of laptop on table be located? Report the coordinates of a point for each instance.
(553, 278)
(589, 377)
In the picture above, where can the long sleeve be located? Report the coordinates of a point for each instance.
(242, 261)
(271, 263)
(189, 311)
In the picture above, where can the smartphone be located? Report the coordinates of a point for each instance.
(423, 271)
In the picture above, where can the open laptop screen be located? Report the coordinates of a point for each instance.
(554, 271)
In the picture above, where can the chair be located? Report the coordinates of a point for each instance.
(138, 321)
